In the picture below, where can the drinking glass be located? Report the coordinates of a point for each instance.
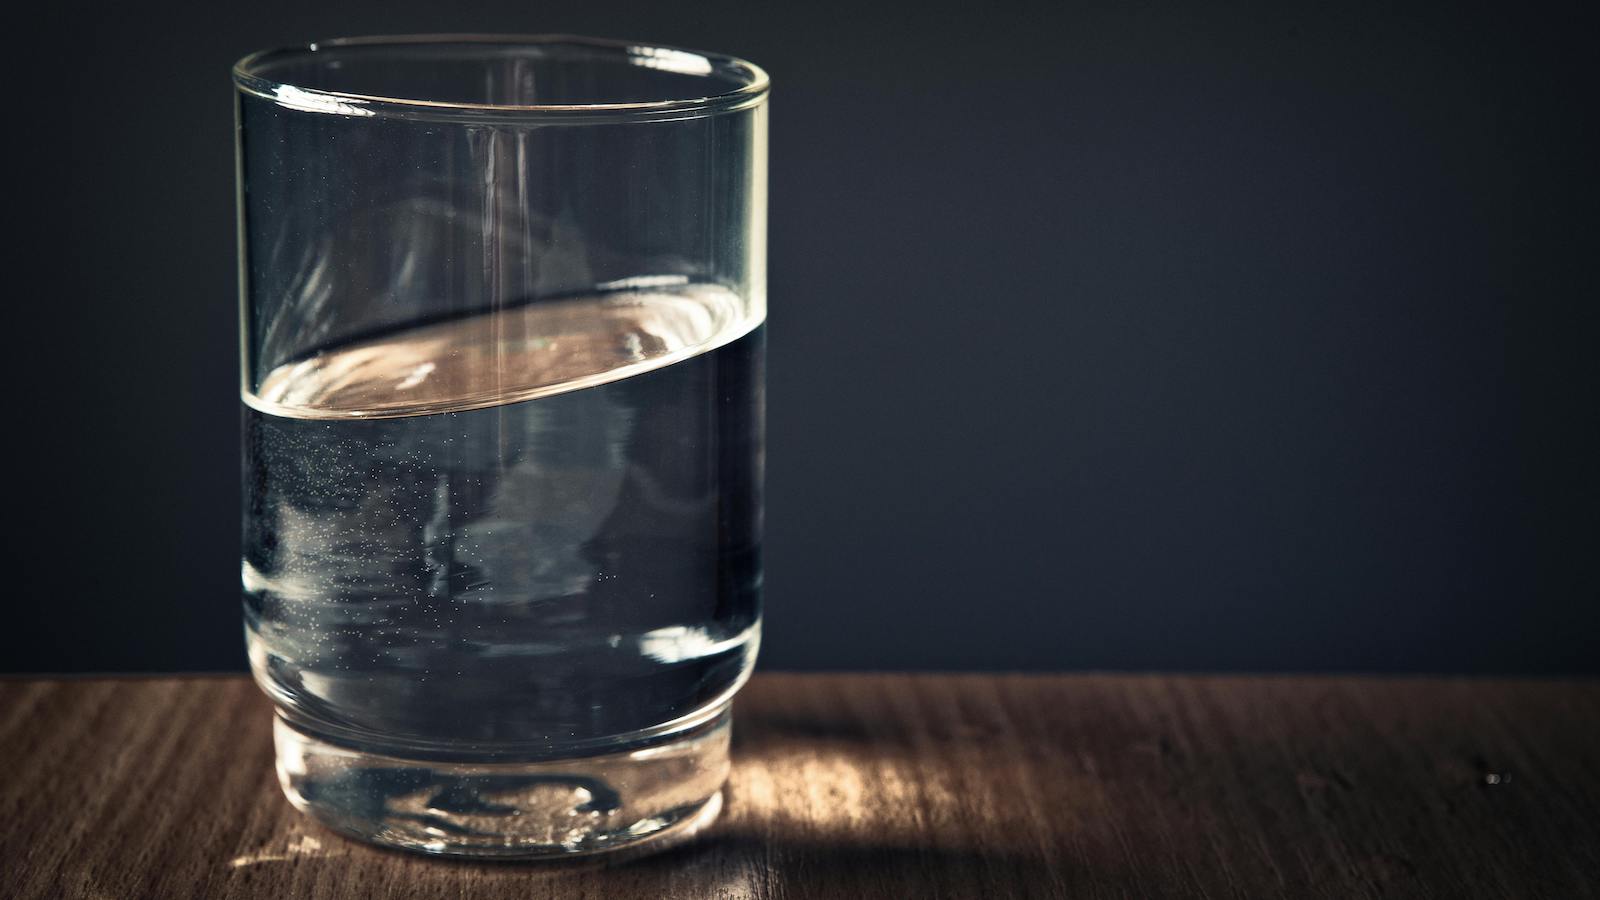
(502, 306)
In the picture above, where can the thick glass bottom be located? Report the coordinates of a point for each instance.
(647, 797)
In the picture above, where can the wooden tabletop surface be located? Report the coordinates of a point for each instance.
(887, 786)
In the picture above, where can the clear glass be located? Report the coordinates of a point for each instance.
(502, 344)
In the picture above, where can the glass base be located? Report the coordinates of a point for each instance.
(649, 797)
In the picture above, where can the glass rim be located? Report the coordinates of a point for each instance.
(750, 83)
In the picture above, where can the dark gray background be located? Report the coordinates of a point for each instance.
(1251, 336)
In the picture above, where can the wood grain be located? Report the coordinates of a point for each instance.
(885, 786)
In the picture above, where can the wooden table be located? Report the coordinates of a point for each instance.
(885, 786)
